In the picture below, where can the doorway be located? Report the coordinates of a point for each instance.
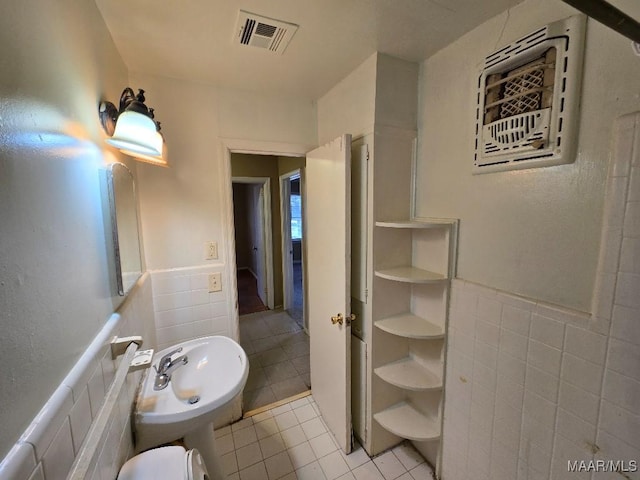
(277, 346)
(291, 206)
(254, 243)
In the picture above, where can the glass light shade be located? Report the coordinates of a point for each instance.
(136, 133)
(160, 160)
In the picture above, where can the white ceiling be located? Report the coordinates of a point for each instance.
(194, 39)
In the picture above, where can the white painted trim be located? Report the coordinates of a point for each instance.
(267, 231)
(234, 145)
(285, 213)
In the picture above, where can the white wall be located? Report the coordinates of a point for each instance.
(186, 205)
(533, 232)
(349, 107)
(57, 60)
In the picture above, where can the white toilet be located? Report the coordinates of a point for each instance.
(167, 463)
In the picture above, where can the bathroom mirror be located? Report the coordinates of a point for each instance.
(124, 225)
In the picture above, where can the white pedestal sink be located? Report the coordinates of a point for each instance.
(215, 374)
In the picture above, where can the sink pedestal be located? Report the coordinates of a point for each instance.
(204, 440)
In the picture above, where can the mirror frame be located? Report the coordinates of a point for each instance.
(117, 243)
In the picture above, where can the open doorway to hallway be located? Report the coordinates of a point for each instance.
(252, 224)
(274, 338)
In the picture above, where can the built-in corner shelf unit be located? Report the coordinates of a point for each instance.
(413, 264)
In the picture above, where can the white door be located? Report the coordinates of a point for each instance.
(328, 237)
(259, 259)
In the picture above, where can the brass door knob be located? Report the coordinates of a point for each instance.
(339, 319)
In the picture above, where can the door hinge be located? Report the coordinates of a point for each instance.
(366, 295)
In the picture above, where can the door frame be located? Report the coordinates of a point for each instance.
(287, 278)
(267, 231)
(227, 147)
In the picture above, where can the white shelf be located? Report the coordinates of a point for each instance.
(412, 224)
(410, 375)
(410, 275)
(410, 326)
(405, 421)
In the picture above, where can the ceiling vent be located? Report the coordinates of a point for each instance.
(262, 32)
(528, 100)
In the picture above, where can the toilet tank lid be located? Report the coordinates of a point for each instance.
(168, 463)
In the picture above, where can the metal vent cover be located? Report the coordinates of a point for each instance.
(528, 98)
(263, 32)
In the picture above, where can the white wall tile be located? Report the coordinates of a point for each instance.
(59, 457)
(171, 284)
(511, 368)
(535, 432)
(510, 392)
(547, 331)
(565, 451)
(487, 332)
(19, 462)
(47, 423)
(489, 310)
(626, 324)
(624, 357)
(80, 418)
(620, 423)
(514, 344)
(38, 473)
(612, 448)
(574, 428)
(176, 316)
(585, 344)
(536, 458)
(544, 357)
(623, 391)
(582, 373)
(542, 384)
(516, 319)
(486, 354)
(96, 390)
(627, 289)
(171, 301)
(580, 402)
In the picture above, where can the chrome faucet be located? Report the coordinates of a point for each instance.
(166, 366)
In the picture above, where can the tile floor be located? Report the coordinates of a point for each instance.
(278, 351)
(292, 442)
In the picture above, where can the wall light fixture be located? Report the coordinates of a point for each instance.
(132, 128)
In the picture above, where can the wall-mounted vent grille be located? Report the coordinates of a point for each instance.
(262, 32)
(528, 100)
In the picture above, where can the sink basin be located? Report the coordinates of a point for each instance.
(214, 375)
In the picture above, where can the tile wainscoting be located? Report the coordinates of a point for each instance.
(48, 447)
(184, 308)
(532, 386)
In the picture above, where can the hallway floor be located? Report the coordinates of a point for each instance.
(278, 351)
(292, 442)
(248, 299)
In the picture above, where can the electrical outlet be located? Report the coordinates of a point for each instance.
(215, 282)
(211, 250)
